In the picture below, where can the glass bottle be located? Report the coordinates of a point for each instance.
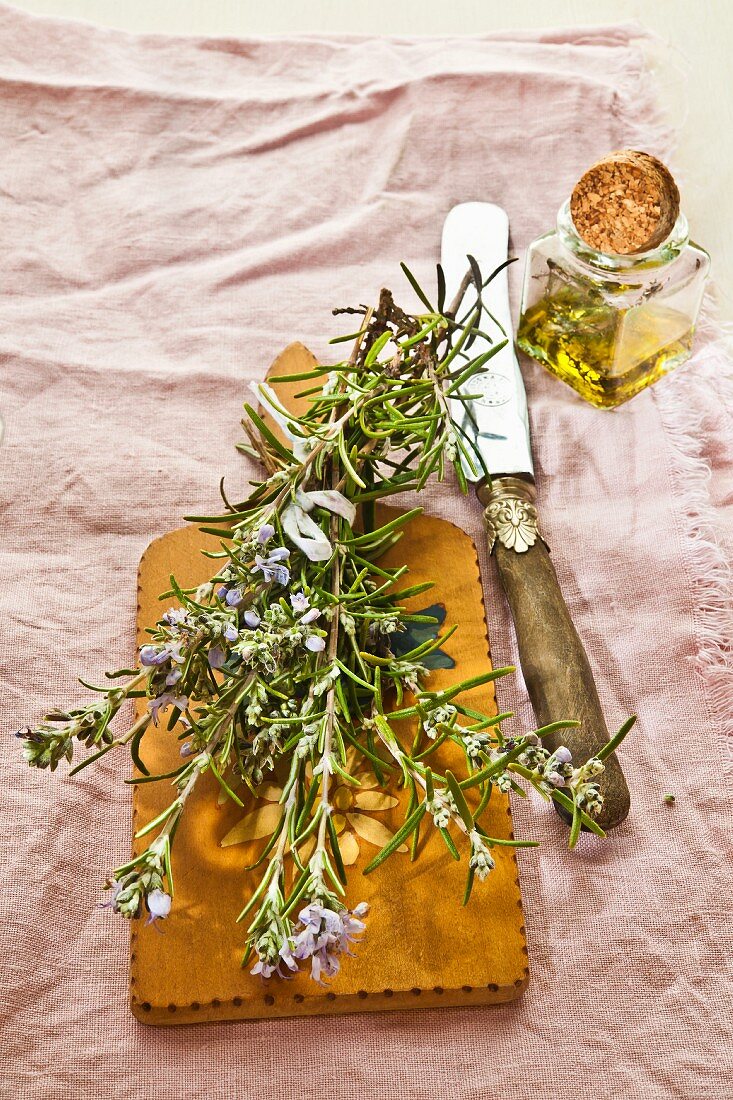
(610, 325)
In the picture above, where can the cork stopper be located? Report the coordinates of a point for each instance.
(628, 202)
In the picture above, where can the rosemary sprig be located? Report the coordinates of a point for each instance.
(287, 658)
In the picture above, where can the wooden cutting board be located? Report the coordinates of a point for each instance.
(422, 947)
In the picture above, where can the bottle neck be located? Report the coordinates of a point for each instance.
(611, 262)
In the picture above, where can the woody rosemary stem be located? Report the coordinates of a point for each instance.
(333, 635)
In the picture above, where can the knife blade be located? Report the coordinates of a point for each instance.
(556, 669)
(481, 229)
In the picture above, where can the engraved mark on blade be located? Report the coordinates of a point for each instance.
(495, 389)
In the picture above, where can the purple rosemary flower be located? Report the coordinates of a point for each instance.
(175, 616)
(167, 699)
(173, 677)
(323, 965)
(150, 655)
(271, 568)
(563, 754)
(315, 643)
(153, 655)
(286, 954)
(231, 633)
(233, 597)
(264, 968)
(217, 656)
(252, 619)
(280, 573)
(326, 934)
(299, 601)
(265, 533)
(280, 553)
(310, 616)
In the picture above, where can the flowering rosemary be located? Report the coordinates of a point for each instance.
(288, 657)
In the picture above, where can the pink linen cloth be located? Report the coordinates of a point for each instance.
(176, 210)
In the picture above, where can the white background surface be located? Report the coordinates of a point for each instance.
(696, 72)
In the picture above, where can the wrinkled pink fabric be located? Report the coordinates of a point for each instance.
(174, 211)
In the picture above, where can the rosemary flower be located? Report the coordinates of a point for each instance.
(480, 861)
(325, 933)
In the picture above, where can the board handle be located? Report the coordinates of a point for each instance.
(554, 663)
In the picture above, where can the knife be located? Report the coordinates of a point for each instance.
(554, 663)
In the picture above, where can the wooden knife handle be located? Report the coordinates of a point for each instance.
(554, 663)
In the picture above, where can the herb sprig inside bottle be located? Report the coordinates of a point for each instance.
(285, 658)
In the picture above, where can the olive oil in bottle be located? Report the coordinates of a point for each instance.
(609, 324)
(606, 355)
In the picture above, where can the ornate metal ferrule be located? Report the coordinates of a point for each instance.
(510, 515)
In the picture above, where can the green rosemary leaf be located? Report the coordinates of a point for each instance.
(399, 838)
(469, 885)
(90, 759)
(476, 273)
(474, 367)
(474, 682)
(493, 769)
(265, 432)
(449, 843)
(441, 289)
(459, 799)
(502, 842)
(307, 807)
(148, 778)
(93, 687)
(367, 752)
(381, 532)
(349, 338)
(336, 850)
(405, 485)
(215, 531)
(417, 288)
(415, 590)
(302, 376)
(297, 893)
(175, 715)
(135, 751)
(257, 894)
(223, 784)
(272, 841)
(433, 745)
(616, 740)
(575, 826)
(420, 336)
(353, 676)
(553, 727)
(376, 348)
(348, 464)
(159, 820)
